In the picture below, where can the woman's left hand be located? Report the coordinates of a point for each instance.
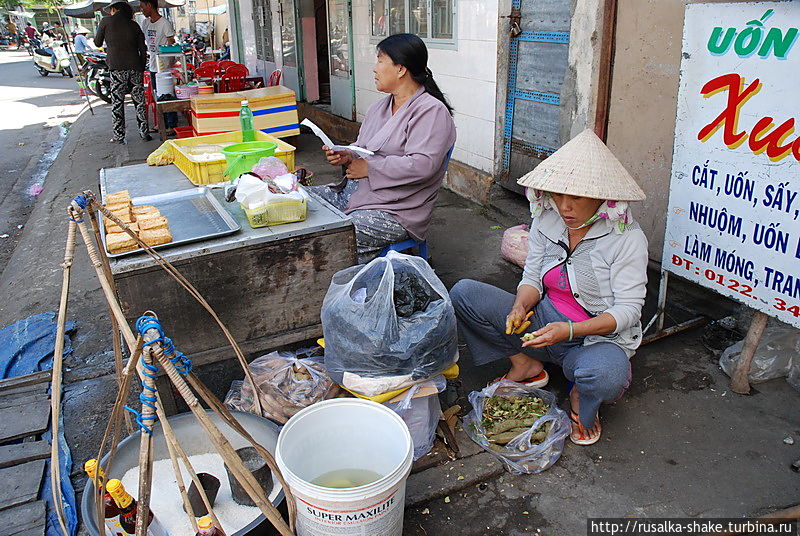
(552, 333)
(357, 169)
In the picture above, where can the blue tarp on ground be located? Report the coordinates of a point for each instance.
(26, 347)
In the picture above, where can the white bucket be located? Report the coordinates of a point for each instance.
(165, 84)
(346, 433)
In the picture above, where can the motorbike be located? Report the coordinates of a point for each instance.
(44, 63)
(97, 75)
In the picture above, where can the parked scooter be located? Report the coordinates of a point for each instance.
(97, 76)
(44, 61)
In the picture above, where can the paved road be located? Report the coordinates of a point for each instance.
(32, 108)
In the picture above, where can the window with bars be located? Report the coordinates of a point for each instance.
(262, 22)
(432, 20)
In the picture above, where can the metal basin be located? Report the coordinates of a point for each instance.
(194, 441)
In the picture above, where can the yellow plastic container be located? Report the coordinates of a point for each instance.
(209, 172)
(277, 213)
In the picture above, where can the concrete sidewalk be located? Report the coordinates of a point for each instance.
(678, 444)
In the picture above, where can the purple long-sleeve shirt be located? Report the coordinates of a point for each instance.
(409, 163)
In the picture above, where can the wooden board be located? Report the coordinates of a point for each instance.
(21, 484)
(25, 420)
(25, 520)
(23, 452)
(27, 379)
(23, 399)
(25, 390)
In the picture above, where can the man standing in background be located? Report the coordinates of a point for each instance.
(157, 31)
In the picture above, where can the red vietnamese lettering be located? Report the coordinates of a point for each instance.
(729, 117)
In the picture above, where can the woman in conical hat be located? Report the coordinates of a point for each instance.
(580, 299)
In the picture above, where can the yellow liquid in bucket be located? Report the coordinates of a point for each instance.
(346, 478)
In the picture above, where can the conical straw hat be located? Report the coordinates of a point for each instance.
(584, 167)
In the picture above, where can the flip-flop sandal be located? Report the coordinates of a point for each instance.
(575, 418)
(539, 381)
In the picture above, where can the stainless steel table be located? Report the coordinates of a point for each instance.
(266, 284)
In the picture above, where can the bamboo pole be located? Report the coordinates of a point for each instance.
(145, 446)
(740, 382)
(224, 448)
(115, 335)
(181, 280)
(57, 377)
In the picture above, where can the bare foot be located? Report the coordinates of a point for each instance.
(523, 367)
(580, 435)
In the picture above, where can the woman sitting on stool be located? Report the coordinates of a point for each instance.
(390, 195)
(582, 289)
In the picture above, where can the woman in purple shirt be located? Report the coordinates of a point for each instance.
(390, 195)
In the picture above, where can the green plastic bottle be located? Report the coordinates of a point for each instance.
(246, 122)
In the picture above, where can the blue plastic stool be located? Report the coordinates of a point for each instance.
(407, 244)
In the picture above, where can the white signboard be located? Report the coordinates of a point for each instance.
(732, 222)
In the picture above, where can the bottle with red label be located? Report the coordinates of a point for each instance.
(111, 511)
(206, 527)
(128, 509)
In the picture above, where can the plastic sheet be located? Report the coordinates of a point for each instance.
(26, 347)
(421, 414)
(520, 456)
(777, 355)
(286, 383)
(369, 347)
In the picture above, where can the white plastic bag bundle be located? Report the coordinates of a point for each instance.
(421, 414)
(520, 456)
(777, 355)
(252, 193)
(514, 247)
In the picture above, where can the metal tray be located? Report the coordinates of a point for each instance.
(193, 215)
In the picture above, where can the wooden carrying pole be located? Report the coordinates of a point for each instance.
(740, 382)
(57, 377)
(220, 441)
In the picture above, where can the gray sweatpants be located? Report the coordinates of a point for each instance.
(601, 371)
(374, 229)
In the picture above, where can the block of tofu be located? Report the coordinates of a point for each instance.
(118, 197)
(145, 210)
(120, 242)
(154, 237)
(149, 223)
(112, 227)
(124, 205)
(125, 216)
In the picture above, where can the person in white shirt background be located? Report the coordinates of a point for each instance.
(158, 31)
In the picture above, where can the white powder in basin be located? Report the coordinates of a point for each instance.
(167, 504)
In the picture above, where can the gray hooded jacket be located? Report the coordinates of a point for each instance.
(607, 272)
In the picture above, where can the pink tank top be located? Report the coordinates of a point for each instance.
(558, 289)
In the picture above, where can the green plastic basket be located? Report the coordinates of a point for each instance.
(241, 157)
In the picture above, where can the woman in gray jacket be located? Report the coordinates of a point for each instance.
(580, 299)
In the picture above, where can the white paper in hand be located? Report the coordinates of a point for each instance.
(327, 141)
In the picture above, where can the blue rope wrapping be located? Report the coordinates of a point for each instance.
(83, 202)
(182, 363)
(149, 401)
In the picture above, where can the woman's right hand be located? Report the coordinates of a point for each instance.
(517, 319)
(337, 158)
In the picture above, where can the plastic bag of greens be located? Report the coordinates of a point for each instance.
(520, 425)
(388, 324)
(286, 383)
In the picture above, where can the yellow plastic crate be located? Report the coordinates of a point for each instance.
(276, 213)
(210, 172)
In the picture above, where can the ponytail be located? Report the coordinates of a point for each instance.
(410, 51)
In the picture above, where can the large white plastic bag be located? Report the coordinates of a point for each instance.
(514, 247)
(532, 458)
(368, 347)
(421, 415)
(776, 356)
